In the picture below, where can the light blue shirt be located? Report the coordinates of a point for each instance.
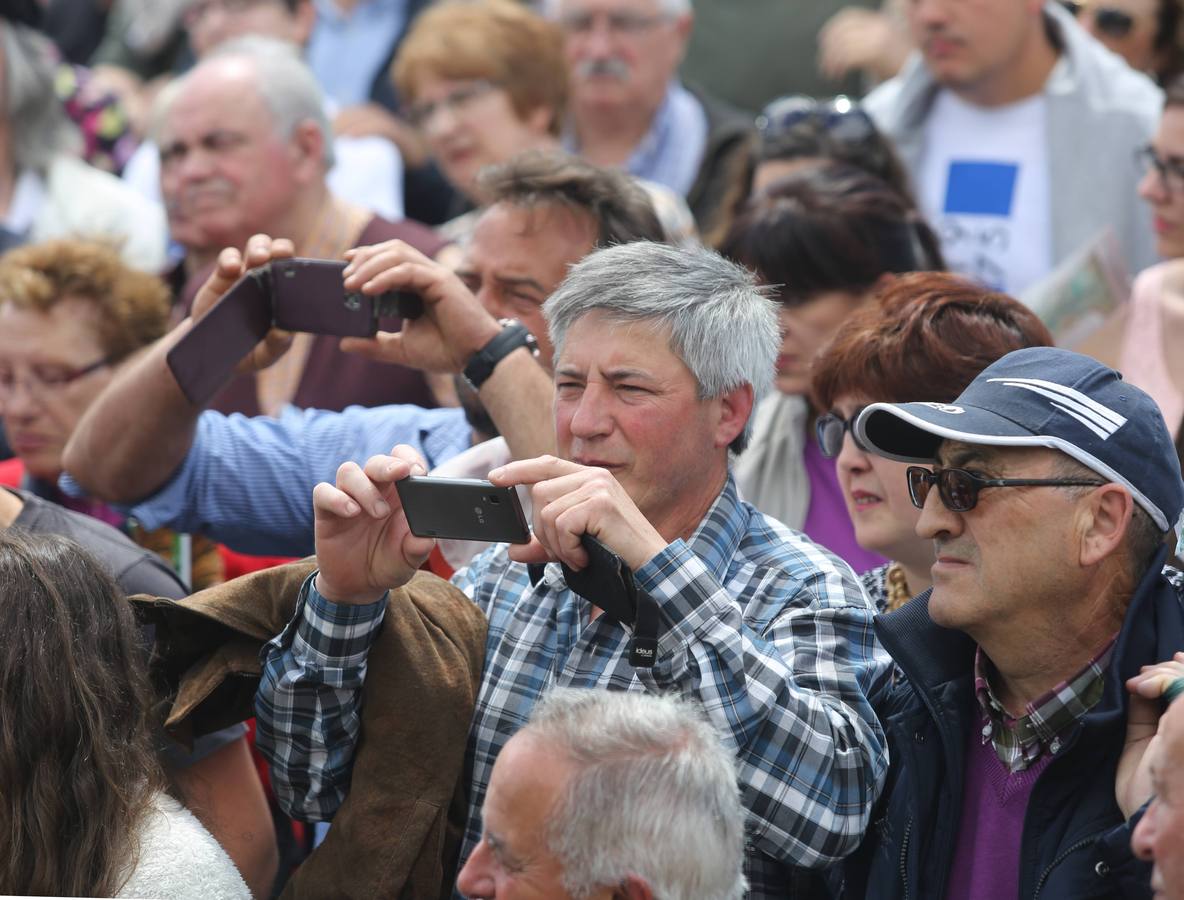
(347, 50)
(247, 481)
(671, 152)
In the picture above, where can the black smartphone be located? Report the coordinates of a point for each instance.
(466, 509)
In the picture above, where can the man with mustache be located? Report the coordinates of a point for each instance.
(1019, 130)
(1018, 755)
(245, 147)
(629, 110)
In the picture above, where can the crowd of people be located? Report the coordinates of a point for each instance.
(747, 338)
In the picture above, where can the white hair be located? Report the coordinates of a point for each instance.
(721, 324)
(653, 794)
(37, 125)
(285, 83)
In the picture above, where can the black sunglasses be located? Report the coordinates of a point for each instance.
(830, 428)
(1110, 21)
(958, 488)
(840, 116)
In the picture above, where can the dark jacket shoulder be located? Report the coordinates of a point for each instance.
(136, 570)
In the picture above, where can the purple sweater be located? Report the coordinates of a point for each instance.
(986, 863)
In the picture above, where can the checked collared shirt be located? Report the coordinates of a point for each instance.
(770, 633)
(1047, 721)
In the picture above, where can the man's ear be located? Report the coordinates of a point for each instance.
(308, 145)
(1104, 523)
(735, 406)
(633, 888)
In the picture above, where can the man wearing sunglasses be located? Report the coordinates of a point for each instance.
(1018, 129)
(1047, 487)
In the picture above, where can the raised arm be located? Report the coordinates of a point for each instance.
(455, 326)
(308, 706)
(136, 434)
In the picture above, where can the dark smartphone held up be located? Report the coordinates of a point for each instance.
(295, 294)
(465, 509)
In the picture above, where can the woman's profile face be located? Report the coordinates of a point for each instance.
(42, 393)
(877, 495)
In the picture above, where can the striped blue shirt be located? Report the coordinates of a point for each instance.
(247, 480)
(769, 632)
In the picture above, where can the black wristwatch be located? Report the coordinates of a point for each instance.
(512, 336)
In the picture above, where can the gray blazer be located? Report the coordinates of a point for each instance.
(1100, 112)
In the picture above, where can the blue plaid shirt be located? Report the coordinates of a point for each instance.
(770, 633)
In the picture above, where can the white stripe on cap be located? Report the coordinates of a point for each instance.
(1084, 409)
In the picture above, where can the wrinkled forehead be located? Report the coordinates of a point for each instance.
(959, 454)
(599, 339)
(222, 91)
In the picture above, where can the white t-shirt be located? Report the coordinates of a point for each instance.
(984, 183)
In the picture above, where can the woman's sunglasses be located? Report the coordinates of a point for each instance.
(830, 429)
(958, 488)
(840, 116)
(1109, 21)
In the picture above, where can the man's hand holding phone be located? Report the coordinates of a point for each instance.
(571, 500)
(454, 325)
(363, 542)
(232, 265)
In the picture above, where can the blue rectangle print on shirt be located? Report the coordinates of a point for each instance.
(981, 188)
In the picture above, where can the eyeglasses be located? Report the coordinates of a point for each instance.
(458, 98)
(1115, 23)
(830, 429)
(959, 488)
(624, 24)
(840, 117)
(1170, 170)
(41, 381)
(196, 13)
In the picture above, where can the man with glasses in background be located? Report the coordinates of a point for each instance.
(1018, 130)
(630, 111)
(1048, 487)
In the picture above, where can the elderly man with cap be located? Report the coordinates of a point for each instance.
(1018, 769)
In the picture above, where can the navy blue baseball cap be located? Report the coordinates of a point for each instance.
(1046, 397)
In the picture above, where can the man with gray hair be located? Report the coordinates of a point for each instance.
(245, 146)
(660, 353)
(611, 791)
(629, 109)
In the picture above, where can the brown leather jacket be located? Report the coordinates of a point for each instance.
(398, 832)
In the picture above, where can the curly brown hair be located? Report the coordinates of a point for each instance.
(132, 307)
(78, 768)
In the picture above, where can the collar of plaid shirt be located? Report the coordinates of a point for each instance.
(1047, 720)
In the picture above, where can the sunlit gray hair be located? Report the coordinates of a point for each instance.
(37, 125)
(553, 8)
(285, 82)
(721, 324)
(653, 794)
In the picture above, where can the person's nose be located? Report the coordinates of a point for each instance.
(592, 418)
(1153, 188)
(935, 520)
(476, 877)
(18, 403)
(1143, 840)
(851, 459)
(929, 14)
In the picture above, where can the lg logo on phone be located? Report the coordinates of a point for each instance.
(480, 515)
